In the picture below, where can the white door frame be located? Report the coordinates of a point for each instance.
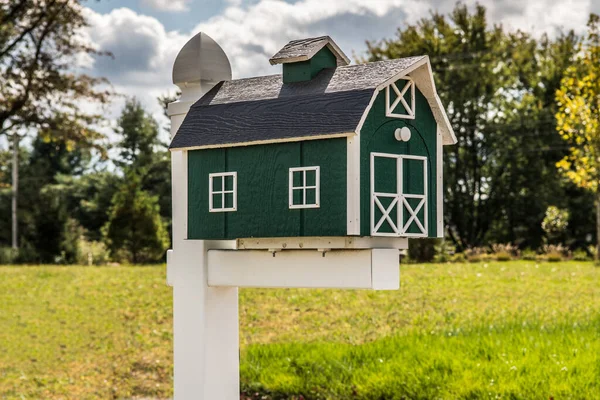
(399, 201)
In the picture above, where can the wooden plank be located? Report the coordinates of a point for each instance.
(340, 269)
(330, 218)
(263, 208)
(203, 224)
(340, 242)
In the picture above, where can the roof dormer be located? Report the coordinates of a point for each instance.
(303, 59)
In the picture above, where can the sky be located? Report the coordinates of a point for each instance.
(145, 36)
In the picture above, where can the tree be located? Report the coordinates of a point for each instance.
(497, 87)
(578, 118)
(39, 44)
(135, 230)
(139, 133)
(143, 153)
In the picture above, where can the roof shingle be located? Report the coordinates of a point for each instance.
(265, 109)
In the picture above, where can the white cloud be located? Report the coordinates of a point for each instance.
(168, 5)
(250, 32)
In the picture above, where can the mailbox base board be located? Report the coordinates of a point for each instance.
(341, 269)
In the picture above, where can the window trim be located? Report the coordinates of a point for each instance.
(304, 187)
(222, 192)
(389, 107)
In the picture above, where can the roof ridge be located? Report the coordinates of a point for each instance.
(349, 66)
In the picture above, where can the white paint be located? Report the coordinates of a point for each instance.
(410, 108)
(304, 187)
(440, 184)
(353, 185)
(206, 329)
(270, 141)
(200, 62)
(223, 191)
(402, 134)
(399, 201)
(385, 269)
(347, 269)
(327, 242)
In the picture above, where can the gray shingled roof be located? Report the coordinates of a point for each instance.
(304, 49)
(264, 108)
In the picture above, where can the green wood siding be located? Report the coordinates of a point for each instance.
(377, 135)
(263, 191)
(306, 70)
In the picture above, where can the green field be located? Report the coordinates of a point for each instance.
(515, 330)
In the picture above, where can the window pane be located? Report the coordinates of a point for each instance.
(413, 179)
(217, 201)
(228, 182)
(217, 183)
(298, 178)
(228, 200)
(311, 197)
(297, 197)
(311, 178)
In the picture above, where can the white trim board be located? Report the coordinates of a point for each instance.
(316, 242)
(377, 269)
(353, 185)
(440, 185)
(258, 142)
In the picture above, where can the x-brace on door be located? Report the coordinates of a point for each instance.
(398, 195)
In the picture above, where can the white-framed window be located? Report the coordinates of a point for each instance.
(222, 192)
(400, 103)
(305, 187)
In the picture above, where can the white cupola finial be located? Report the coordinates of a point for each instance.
(200, 65)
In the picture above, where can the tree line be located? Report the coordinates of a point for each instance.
(522, 107)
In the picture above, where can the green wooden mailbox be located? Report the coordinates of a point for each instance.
(313, 178)
(325, 149)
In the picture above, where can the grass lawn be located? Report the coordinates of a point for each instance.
(514, 330)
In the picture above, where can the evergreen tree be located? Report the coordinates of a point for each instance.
(135, 231)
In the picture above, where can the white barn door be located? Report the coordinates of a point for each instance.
(398, 195)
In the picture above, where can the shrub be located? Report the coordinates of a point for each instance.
(503, 256)
(476, 254)
(7, 256)
(458, 258)
(528, 254)
(27, 254)
(511, 249)
(422, 250)
(92, 253)
(443, 251)
(554, 257)
(581, 255)
(554, 248)
(474, 258)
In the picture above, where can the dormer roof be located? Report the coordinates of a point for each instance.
(305, 49)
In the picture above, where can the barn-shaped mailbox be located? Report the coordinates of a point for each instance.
(325, 149)
(312, 178)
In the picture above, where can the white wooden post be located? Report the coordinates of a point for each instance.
(205, 320)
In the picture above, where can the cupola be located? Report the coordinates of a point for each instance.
(303, 59)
